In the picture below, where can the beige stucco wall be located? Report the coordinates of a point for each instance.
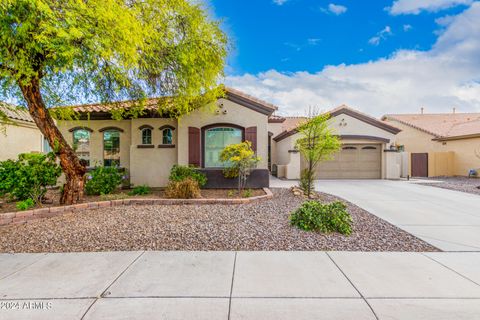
(151, 166)
(23, 137)
(275, 129)
(235, 114)
(96, 138)
(441, 160)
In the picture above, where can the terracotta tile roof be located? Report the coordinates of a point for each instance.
(267, 105)
(441, 125)
(15, 113)
(276, 119)
(152, 103)
(343, 109)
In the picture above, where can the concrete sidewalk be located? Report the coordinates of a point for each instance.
(240, 285)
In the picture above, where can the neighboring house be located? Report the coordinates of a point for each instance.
(366, 153)
(445, 144)
(19, 134)
(150, 145)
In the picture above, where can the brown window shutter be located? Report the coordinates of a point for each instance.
(251, 135)
(194, 146)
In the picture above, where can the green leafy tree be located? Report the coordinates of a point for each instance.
(317, 143)
(61, 52)
(241, 159)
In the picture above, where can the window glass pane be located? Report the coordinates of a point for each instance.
(81, 145)
(46, 146)
(216, 140)
(111, 148)
(167, 136)
(146, 136)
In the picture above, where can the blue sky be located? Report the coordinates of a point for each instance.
(306, 35)
(324, 45)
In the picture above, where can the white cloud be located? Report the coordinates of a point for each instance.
(313, 41)
(417, 6)
(381, 35)
(337, 9)
(279, 2)
(447, 75)
(407, 27)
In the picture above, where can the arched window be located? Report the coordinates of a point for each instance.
(111, 148)
(167, 136)
(146, 136)
(216, 139)
(81, 145)
(369, 148)
(349, 148)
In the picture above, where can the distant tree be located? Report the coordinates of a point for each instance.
(58, 52)
(317, 143)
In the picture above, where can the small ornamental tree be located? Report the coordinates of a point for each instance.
(317, 143)
(63, 52)
(241, 159)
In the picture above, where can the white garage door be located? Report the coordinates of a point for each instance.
(354, 161)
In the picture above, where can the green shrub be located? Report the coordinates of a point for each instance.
(103, 180)
(247, 193)
(140, 191)
(185, 189)
(323, 217)
(25, 204)
(230, 172)
(29, 176)
(180, 173)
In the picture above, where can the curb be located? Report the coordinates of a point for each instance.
(20, 217)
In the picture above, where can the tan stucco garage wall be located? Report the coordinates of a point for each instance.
(343, 124)
(346, 125)
(96, 138)
(464, 159)
(152, 166)
(23, 137)
(235, 114)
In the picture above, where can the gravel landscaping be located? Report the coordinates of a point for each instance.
(261, 225)
(462, 184)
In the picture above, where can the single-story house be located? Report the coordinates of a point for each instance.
(148, 146)
(368, 149)
(443, 144)
(19, 134)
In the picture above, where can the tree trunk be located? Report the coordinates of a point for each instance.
(73, 170)
(310, 175)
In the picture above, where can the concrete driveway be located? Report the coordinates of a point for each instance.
(449, 220)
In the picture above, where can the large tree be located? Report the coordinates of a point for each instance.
(64, 51)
